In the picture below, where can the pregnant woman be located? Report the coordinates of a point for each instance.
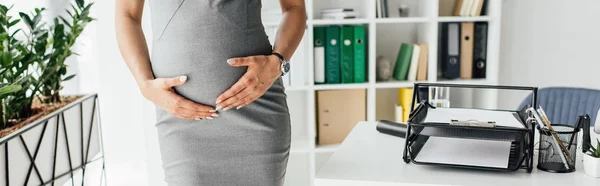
(222, 116)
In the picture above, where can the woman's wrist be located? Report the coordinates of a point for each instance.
(274, 65)
(144, 82)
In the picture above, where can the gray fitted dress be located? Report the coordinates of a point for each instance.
(249, 146)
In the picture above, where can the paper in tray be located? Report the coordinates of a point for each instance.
(456, 151)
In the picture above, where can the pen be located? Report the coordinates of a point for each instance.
(536, 117)
(560, 144)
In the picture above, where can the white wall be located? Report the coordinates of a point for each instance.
(549, 43)
(128, 119)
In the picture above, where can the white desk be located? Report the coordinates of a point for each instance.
(368, 157)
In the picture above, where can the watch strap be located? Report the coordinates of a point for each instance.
(279, 56)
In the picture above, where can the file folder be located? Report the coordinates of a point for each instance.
(466, 51)
(347, 54)
(359, 54)
(319, 54)
(332, 55)
(450, 50)
(480, 50)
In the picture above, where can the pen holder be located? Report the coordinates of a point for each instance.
(550, 157)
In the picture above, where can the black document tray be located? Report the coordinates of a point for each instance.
(418, 132)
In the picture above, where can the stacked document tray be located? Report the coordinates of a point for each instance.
(433, 138)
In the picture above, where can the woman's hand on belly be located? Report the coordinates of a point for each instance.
(160, 91)
(262, 72)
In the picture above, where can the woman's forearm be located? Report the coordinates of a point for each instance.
(133, 47)
(291, 29)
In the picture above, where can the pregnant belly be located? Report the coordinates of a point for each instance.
(202, 58)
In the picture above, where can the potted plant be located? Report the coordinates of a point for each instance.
(591, 160)
(51, 135)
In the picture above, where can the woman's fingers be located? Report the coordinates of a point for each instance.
(235, 89)
(187, 109)
(245, 82)
(235, 101)
(247, 100)
(171, 82)
(179, 101)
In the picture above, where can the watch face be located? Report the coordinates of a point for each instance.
(286, 67)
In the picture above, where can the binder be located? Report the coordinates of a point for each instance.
(347, 54)
(403, 62)
(480, 50)
(414, 63)
(466, 51)
(319, 54)
(332, 54)
(450, 50)
(423, 63)
(359, 54)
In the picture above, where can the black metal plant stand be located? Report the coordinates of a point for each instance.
(16, 138)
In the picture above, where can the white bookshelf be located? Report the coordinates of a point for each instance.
(384, 38)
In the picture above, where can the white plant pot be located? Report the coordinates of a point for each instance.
(77, 144)
(591, 165)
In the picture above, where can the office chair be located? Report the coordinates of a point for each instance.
(563, 105)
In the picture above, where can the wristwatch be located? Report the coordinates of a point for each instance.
(285, 65)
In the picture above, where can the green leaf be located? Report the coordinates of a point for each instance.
(9, 89)
(15, 32)
(69, 77)
(3, 9)
(6, 59)
(26, 19)
(13, 23)
(80, 3)
(76, 11)
(36, 19)
(70, 14)
(65, 21)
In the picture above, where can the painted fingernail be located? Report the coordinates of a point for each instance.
(218, 108)
(212, 111)
(209, 117)
(182, 78)
(198, 119)
(231, 61)
(239, 107)
(225, 109)
(218, 101)
(214, 115)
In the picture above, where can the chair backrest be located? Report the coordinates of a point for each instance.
(563, 105)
